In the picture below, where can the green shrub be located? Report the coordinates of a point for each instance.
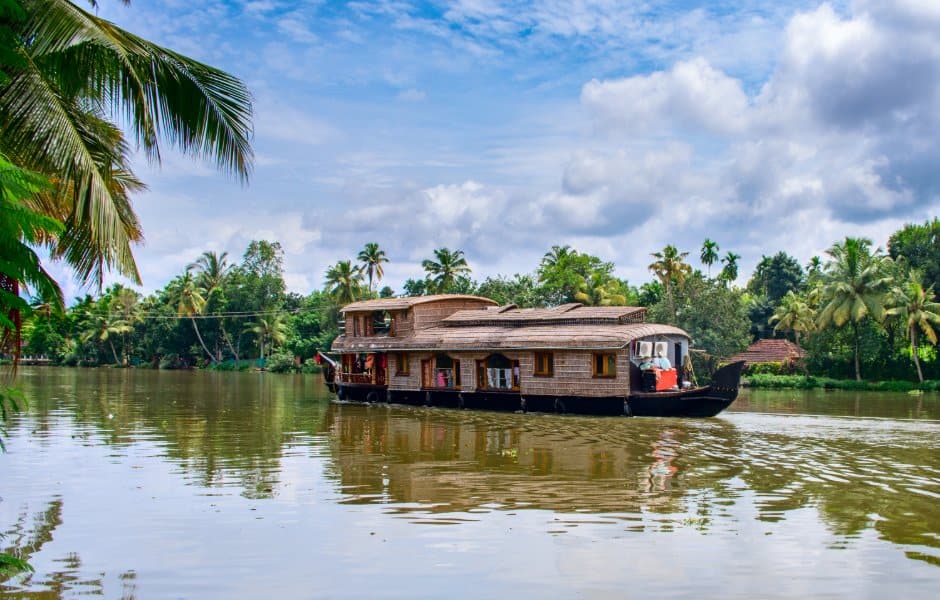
(766, 380)
(282, 362)
(311, 366)
(808, 382)
(230, 365)
(769, 368)
(171, 361)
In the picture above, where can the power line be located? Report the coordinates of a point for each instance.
(243, 314)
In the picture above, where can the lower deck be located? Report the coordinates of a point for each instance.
(697, 402)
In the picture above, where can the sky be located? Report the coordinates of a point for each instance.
(505, 127)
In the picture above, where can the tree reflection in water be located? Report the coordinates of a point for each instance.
(26, 537)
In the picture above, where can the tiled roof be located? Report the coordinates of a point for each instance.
(765, 351)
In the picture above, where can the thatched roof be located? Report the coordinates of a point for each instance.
(406, 303)
(583, 336)
(767, 351)
(566, 314)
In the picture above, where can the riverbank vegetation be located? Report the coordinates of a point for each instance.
(857, 311)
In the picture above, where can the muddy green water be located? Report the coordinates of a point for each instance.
(148, 484)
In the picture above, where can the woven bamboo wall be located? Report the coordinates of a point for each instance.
(573, 376)
(432, 313)
(404, 323)
(411, 381)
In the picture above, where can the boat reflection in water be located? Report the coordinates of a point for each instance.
(441, 461)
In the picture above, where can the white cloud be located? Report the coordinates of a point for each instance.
(691, 94)
(293, 26)
(818, 144)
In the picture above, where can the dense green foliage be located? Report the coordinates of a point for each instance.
(214, 312)
(857, 311)
(919, 246)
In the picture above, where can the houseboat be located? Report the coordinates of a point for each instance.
(468, 352)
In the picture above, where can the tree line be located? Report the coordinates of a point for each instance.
(856, 310)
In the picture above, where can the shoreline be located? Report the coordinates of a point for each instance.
(810, 382)
(758, 381)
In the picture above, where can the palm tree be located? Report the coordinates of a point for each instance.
(853, 288)
(672, 270)
(70, 72)
(103, 324)
(599, 289)
(271, 328)
(794, 314)
(557, 255)
(709, 255)
(190, 302)
(344, 282)
(444, 271)
(212, 270)
(730, 271)
(125, 303)
(372, 258)
(915, 306)
(814, 266)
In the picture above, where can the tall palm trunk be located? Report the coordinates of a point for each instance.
(117, 360)
(228, 341)
(670, 296)
(199, 336)
(858, 371)
(920, 374)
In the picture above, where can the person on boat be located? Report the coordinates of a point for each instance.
(661, 361)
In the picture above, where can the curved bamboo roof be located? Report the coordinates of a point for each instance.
(406, 303)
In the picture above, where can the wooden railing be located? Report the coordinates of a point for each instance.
(367, 378)
(355, 377)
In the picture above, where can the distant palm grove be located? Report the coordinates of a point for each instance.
(858, 311)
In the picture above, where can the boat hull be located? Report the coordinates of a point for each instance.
(696, 402)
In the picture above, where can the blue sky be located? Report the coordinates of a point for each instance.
(504, 127)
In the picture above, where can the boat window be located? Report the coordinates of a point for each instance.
(544, 364)
(381, 322)
(497, 372)
(401, 363)
(605, 365)
(441, 372)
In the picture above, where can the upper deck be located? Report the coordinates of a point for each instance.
(446, 322)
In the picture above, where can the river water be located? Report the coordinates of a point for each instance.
(162, 484)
